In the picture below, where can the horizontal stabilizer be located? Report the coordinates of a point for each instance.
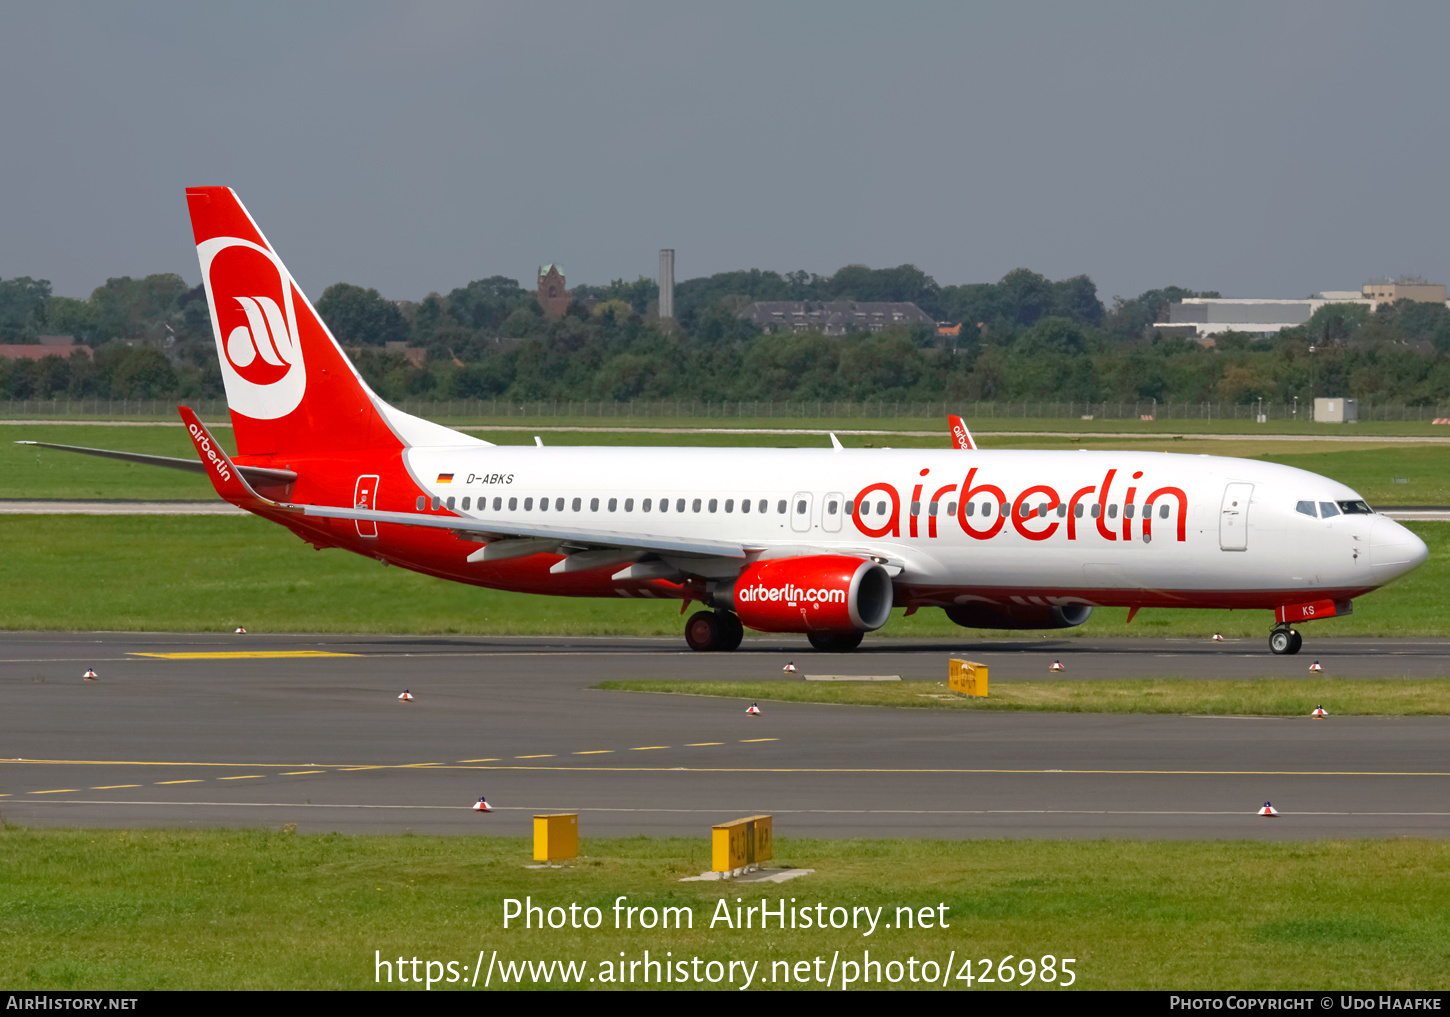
(254, 474)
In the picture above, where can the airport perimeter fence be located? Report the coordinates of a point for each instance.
(977, 412)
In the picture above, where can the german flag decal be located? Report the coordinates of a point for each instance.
(445, 478)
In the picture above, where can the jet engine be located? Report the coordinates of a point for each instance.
(1018, 616)
(815, 594)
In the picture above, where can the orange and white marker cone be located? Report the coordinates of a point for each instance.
(789, 668)
(1218, 637)
(407, 696)
(482, 806)
(90, 675)
(1315, 667)
(1319, 711)
(1057, 666)
(1268, 810)
(241, 631)
(753, 710)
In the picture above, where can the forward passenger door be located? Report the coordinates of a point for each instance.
(1233, 518)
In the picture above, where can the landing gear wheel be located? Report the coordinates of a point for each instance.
(835, 642)
(704, 631)
(732, 631)
(1285, 642)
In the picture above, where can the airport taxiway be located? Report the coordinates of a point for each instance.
(307, 729)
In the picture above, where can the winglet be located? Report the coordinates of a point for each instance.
(225, 477)
(961, 437)
(836, 442)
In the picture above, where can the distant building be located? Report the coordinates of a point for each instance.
(49, 346)
(415, 355)
(1405, 289)
(1202, 318)
(832, 317)
(553, 295)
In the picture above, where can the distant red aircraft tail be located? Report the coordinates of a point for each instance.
(290, 387)
(961, 437)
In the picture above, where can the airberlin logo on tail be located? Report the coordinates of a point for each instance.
(263, 338)
(255, 319)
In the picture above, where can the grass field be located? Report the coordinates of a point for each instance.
(1262, 697)
(1375, 470)
(207, 573)
(267, 910)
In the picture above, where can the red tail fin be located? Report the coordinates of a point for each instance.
(961, 437)
(290, 387)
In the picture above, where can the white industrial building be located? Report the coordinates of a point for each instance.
(1204, 317)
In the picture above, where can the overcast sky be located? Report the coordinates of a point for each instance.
(1260, 149)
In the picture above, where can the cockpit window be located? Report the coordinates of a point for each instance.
(1327, 509)
(1307, 508)
(1355, 508)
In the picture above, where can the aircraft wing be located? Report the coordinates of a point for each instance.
(495, 529)
(516, 538)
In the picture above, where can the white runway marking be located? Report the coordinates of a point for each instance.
(726, 811)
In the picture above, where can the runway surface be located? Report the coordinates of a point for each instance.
(308, 730)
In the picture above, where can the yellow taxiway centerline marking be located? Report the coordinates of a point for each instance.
(142, 762)
(698, 745)
(745, 740)
(244, 654)
(197, 781)
(57, 791)
(593, 752)
(646, 748)
(478, 760)
(245, 776)
(112, 787)
(298, 773)
(546, 755)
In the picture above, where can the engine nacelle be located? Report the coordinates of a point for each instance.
(1018, 616)
(820, 593)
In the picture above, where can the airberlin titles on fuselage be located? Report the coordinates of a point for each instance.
(1028, 511)
(983, 509)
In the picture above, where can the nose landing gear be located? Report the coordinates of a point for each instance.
(1285, 641)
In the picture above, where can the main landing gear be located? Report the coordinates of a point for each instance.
(835, 642)
(713, 630)
(1285, 641)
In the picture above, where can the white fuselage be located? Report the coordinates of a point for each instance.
(1219, 532)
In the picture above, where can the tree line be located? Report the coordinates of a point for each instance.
(1023, 337)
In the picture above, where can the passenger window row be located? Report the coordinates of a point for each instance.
(865, 508)
(761, 507)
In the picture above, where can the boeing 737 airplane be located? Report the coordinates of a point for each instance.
(822, 542)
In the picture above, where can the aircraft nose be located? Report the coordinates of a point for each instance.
(1393, 550)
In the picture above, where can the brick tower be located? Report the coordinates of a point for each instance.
(553, 294)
